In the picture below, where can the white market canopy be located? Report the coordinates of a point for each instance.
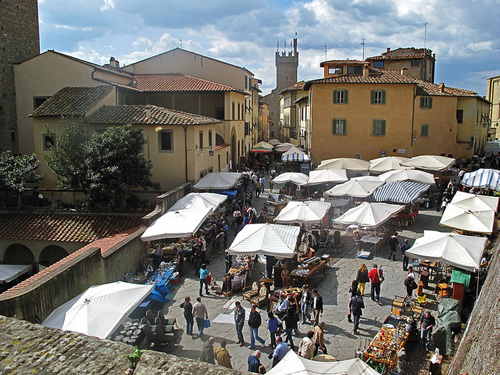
(99, 310)
(176, 224)
(293, 364)
(321, 176)
(408, 175)
(266, 239)
(218, 181)
(457, 250)
(9, 272)
(387, 163)
(296, 178)
(399, 192)
(350, 164)
(369, 215)
(469, 212)
(282, 147)
(264, 144)
(430, 162)
(199, 200)
(303, 212)
(356, 187)
(294, 154)
(482, 178)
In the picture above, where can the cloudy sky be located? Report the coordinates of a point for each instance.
(463, 34)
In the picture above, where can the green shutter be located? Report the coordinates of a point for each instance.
(383, 96)
(345, 121)
(345, 96)
(383, 127)
(334, 128)
(374, 126)
(430, 102)
(373, 96)
(334, 96)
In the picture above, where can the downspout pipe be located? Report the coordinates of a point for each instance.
(185, 152)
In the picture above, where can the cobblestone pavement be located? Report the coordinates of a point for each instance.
(340, 341)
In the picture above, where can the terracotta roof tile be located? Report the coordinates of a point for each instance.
(397, 57)
(146, 115)
(63, 227)
(355, 62)
(427, 88)
(72, 101)
(176, 82)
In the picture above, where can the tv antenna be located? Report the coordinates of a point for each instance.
(363, 44)
(425, 36)
(180, 40)
(326, 52)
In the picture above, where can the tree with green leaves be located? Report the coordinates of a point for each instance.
(17, 171)
(104, 165)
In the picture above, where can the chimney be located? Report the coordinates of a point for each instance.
(148, 111)
(366, 70)
(403, 71)
(388, 49)
(441, 87)
(114, 63)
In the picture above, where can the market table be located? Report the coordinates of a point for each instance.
(386, 344)
(303, 274)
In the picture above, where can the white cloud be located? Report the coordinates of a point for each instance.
(108, 5)
(480, 46)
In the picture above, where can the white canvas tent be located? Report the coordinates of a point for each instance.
(356, 187)
(430, 162)
(483, 178)
(457, 250)
(99, 310)
(176, 224)
(218, 181)
(296, 178)
(408, 175)
(9, 272)
(199, 200)
(321, 176)
(369, 215)
(294, 154)
(266, 239)
(303, 212)
(387, 163)
(351, 164)
(473, 213)
(292, 364)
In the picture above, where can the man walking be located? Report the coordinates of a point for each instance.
(280, 351)
(306, 346)
(356, 305)
(405, 246)
(272, 326)
(239, 320)
(317, 306)
(427, 323)
(254, 362)
(319, 338)
(203, 279)
(254, 322)
(375, 276)
(222, 355)
(305, 303)
(393, 242)
(188, 314)
(207, 353)
(200, 313)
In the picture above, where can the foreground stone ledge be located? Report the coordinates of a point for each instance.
(27, 348)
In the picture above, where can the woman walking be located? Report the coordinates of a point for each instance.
(362, 278)
(188, 314)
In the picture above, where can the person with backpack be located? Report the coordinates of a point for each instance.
(410, 282)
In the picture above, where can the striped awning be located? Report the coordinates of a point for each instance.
(483, 178)
(399, 192)
(294, 154)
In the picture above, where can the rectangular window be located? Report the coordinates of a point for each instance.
(356, 69)
(415, 62)
(239, 112)
(49, 142)
(339, 96)
(39, 100)
(209, 138)
(425, 102)
(339, 126)
(219, 113)
(201, 139)
(378, 64)
(378, 96)
(335, 70)
(424, 130)
(166, 141)
(246, 82)
(460, 116)
(233, 113)
(378, 127)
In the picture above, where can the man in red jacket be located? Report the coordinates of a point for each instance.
(376, 276)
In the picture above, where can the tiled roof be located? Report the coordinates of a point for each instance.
(329, 62)
(379, 77)
(63, 227)
(296, 87)
(176, 82)
(427, 88)
(397, 57)
(72, 101)
(146, 115)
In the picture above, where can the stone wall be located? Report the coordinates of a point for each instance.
(27, 348)
(479, 351)
(19, 41)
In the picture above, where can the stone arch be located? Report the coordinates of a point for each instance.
(18, 254)
(52, 254)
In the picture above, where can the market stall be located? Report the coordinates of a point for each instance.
(199, 200)
(308, 212)
(360, 187)
(218, 181)
(386, 164)
(429, 162)
(382, 353)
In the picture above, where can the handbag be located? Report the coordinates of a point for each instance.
(207, 323)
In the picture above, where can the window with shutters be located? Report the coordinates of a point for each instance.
(426, 102)
(339, 96)
(339, 126)
(165, 141)
(378, 96)
(378, 127)
(424, 130)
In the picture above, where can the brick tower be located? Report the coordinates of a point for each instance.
(19, 41)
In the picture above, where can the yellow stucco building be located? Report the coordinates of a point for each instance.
(493, 95)
(369, 113)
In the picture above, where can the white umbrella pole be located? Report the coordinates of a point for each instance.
(477, 288)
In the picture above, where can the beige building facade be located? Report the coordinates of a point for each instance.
(493, 96)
